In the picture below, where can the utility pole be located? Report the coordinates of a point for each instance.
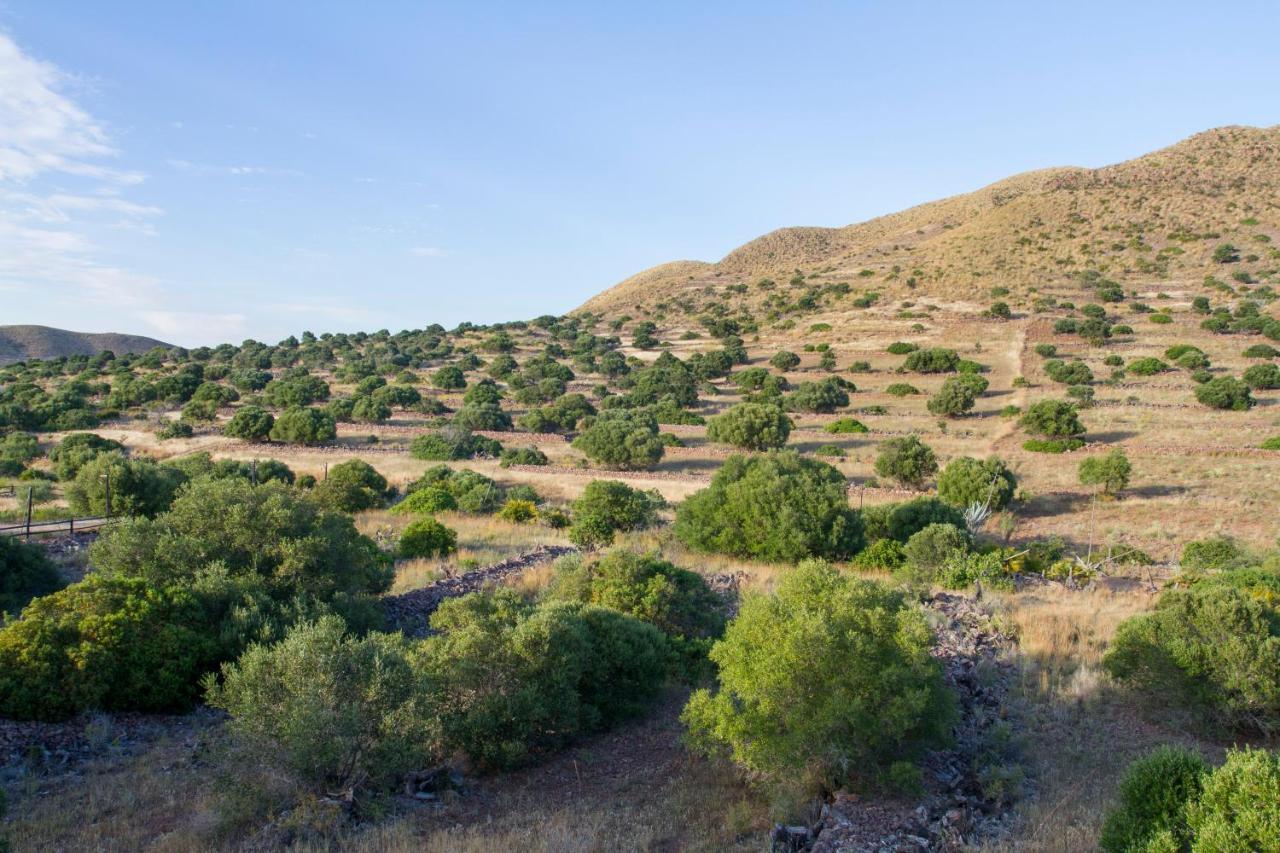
(108, 476)
(30, 492)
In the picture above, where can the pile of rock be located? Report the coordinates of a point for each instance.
(411, 612)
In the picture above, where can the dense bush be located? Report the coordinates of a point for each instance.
(955, 397)
(472, 492)
(426, 537)
(77, 450)
(823, 396)
(929, 549)
(1262, 377)
(522, 456)
(25, 573)
(105, 642)
(900, 521)
(482, 416)
(276, 540)
(676, 601)
(135, 486)
(607, 507)
(509, 681)
(1225, 392)
(1154, 795)
(1217, 552)
(426, 501)
(753, 426)
(831, 678)
(1213, 647)
(453, 443)
(1239, 804)
(352, 486)
(1069, 373)
(846, 426)
(901, 348)
(1171, 801)
(304, 426)
(1111, 471)
(784, 360)
(622, 439)
(967, 481)
(449, 378)
(778, 506)
(339, 713)
(907, 460)
(935, 360)
(1052, 419)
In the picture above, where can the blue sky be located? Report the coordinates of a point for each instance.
(215, 171)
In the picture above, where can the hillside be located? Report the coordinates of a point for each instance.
(1157, 218)
(19, 343)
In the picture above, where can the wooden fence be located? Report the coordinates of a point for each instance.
(33, 527)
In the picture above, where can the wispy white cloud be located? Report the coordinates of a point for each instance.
(46, 245)
(239, 170)
(189, 325)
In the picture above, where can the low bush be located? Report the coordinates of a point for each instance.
(352, 486)
(338, 712)
(522, 456)
(1212, 647)
(518, 511)
(901, 389)
(1225, 392)
(304, 426)
(936, 360)
(753, 426)
(928, 549)
(1262, 377)
(966, 481)
(622, 439)
(25, 573)
(1154, 795)
(778, 506)
(425, 538)
(907, 459)
(1052, 445)
(607, 507)
(846, 426)
(453, 443)
(830, 680)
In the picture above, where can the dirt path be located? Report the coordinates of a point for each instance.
(1014, 357)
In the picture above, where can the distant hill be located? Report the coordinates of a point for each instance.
(1157, 218)
(19, 343)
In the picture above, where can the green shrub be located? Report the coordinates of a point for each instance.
(482, 416)
(1212, 648)
(518, 511)
(1052, 445)
(928, 549)
(1110, 470)
(510, 681)
(962, 569)
(1052, 419)
(753, 426)
(1261, 351)
(1154, 796)
(607, 507)
(955, 397)
(1046, 350)
(25, 573)
(907, 459)
(304, 426)
(823, 397)
(1212, 554)
(778, 506)
(472, 492)
(784, 360)
(966, 481)
(103, 643)
(339, 713)
(831, 677)
(426, 537)
(175, 429)
(77, 450)
(901, 389)
(880, 555)
(449, 378)
(676, 601)
(135, 486)
(1225, 392)
(523, 456)
(1262, 377)
(1272, 443)
(426, 502)
(936, 360)
(1239, 804)
(1069, 373)
(352, 486)
(846, 426)
(453, 443)
(900, 521)
(901, 348)
(622, 439)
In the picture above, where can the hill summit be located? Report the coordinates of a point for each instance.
(20, 343)
(1159, 217)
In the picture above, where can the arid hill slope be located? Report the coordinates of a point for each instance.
(1153, 219)
(19, 343)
